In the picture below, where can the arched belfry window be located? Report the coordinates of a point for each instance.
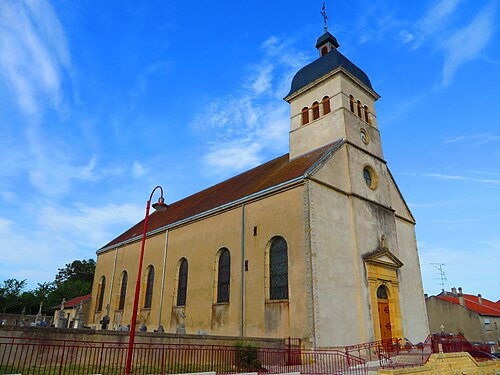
(123, 291)
(182, 282)
(324, 50)
(367, 114)
(278, 269)
(382, 292)
(359, 109)
(305, 115)
(351, 103)
(315, 110)
(148, 300)
(326, 105)
(223, 276)
(100, 293)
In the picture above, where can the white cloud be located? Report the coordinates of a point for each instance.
(245, 127)
(458, 44)
(138, 170)
(445, 176)
(442, 176)
(35, 252)
(34, 53)
(467, 43)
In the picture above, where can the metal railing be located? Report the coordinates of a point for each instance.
(396, 352)
(64, 357)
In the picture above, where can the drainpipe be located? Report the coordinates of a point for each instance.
(160, 327)
(242, 292)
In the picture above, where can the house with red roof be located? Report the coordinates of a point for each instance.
(473, 315)
(72, 313)
(317, 244)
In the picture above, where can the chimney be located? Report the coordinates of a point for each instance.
(426, 295)
(480, 299)
(454, 291)
(461, 299)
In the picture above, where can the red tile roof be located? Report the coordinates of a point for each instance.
(75, 301)
(472, 303)
(265, 176)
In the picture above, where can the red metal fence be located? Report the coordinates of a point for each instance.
(402, 353)
(63, 357)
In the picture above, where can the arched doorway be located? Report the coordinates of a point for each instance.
(384, 313)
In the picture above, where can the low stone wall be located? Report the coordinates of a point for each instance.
(49, 333)
(449, 363)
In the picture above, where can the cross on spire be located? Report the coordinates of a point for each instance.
(325, 17)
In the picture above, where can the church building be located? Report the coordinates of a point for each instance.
(317, 244)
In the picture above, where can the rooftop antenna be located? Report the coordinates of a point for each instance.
(325, 17)
(442, 274)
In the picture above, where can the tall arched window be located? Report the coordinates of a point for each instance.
(367, 114)
(182, 283)
(326, 105)
(315, 110)
(148, 298)
(324, 50)
(305, 115)
(351, 103)
(223, 276)
(359, 109)
(123, 291)
(100, 293)
(278, 269)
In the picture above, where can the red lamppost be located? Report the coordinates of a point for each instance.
(160, 206)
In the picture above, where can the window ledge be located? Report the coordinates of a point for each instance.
(271, 301)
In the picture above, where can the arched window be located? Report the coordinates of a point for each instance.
(351, 103)
(123, 291)
(182, 283)
(324, 50)
(100, 293)
(148, 298)
(367, 114)
(223, 276)
(359, 109)
(382, 292)
(305, 115)
(326, 105)
(315, 110)
(278, 269)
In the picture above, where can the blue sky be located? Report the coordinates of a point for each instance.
(100, 101)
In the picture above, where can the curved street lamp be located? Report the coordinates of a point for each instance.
(160, 207)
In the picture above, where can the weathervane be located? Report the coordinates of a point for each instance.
(325, 17)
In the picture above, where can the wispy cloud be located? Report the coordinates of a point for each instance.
(245, 127)
(458, 44)
(467, 43)
(442, 176)
(474, 139)
(432, 204)
(34, 53)
(138, 170)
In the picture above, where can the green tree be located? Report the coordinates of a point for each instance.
(73, 280)
(10, 296)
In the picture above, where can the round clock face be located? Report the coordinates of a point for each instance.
(364, 136)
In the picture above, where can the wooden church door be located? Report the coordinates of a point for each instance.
(384, 313)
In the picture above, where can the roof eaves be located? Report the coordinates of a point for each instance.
(338, 69)
(327, 155)
(206, 213)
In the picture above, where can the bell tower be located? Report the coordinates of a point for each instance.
(330, 99)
